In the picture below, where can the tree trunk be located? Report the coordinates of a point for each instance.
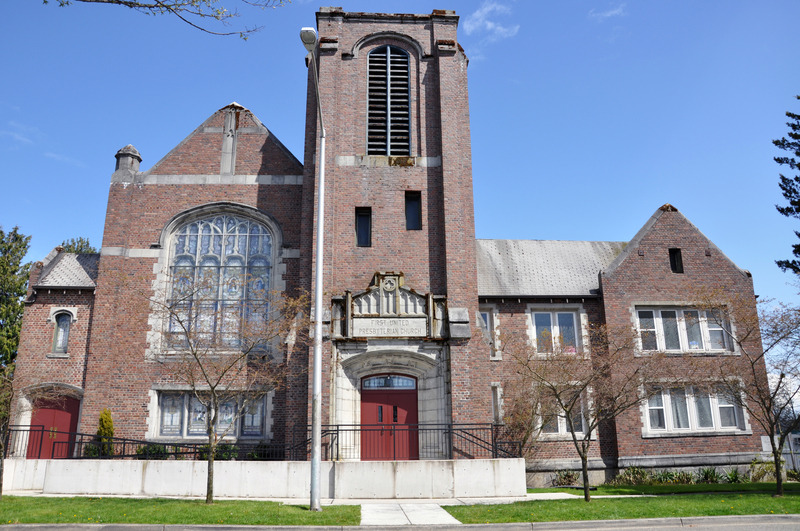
(585, 469)
(212, 449)
(776, 456)
(2, 459)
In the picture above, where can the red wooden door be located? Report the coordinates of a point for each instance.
(59, 421)
(389, 422)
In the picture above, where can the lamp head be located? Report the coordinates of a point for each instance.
(309, 38)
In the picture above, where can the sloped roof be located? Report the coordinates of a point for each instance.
(257, 151)
(546, 268)
(68, 270)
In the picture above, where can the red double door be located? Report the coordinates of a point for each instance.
(389, 430)
(60, 421)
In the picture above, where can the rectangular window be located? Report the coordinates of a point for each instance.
(183, 415)
(692, 410)
(557, 330)
(682, 330)
(675, 261)
(554, 419)
(413, 210)
(364, 227)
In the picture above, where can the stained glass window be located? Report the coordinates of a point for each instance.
(221, 270)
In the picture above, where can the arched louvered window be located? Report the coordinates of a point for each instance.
(388, 115)
(221, 269)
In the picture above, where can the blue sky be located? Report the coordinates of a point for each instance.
(586, 116)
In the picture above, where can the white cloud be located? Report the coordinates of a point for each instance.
(618, 11)
(65, 160)
(479, 22)
(17, 136)
(22, 133)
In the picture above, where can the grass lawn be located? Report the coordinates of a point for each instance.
(65, 510)
(718, 504)
(679, 489)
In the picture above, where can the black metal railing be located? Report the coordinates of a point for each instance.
(339, 442)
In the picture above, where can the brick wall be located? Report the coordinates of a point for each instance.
(645, 276)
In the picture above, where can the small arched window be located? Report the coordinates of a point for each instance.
(61, 335)
(220, 270)
(388, 114)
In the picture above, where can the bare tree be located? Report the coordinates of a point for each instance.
(762, 375)
(230, 350)
(581, 386)
(193, 12)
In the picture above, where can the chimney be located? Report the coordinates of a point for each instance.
(128, 158)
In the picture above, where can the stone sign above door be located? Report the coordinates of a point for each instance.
(389, 309)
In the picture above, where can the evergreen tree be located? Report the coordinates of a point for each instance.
(105, 432)
(80, 245)
(790, 186)
(13, 287)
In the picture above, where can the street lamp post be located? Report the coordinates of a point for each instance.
(309, 38)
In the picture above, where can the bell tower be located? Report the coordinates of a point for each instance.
(399, 217)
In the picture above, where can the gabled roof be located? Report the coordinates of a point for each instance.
(542, 268)
(256, 151)
(648, 226)
(69, 270)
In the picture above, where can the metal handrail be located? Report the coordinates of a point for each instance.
(341, 441)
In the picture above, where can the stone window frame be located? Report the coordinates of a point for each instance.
(162, 267)
(491, 329)
(55, 312)
(703, 323)
(581, 321)
(155, 420)
(563, 433)
(742, 427)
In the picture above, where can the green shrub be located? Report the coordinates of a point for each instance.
(663, 477)
(734, 476)
(223, 452)
(708, 475)
(91, 449)
(153, 452)
(684, 478)
(792, 475)
(105, 433)
(632, 475)
(564, 478)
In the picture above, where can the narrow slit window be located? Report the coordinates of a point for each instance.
(388, 111)
(364, 227)
(413, 211)
(675, 261)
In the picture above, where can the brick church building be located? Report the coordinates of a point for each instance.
(412, 294)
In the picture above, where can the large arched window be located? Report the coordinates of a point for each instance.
(388, 114)
(220, 271)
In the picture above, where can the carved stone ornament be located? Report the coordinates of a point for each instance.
(388, 309)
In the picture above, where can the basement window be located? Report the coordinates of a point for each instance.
(364, 227)
(388, 110)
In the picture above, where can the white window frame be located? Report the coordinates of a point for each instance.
(579, 318)
(705, 324)
(692, 394)
(490, 329)
(234, 434)
(563, 433)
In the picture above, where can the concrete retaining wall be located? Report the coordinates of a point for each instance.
(272, 479)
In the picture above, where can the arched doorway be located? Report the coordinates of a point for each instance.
(60, 421)
(389, 419)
